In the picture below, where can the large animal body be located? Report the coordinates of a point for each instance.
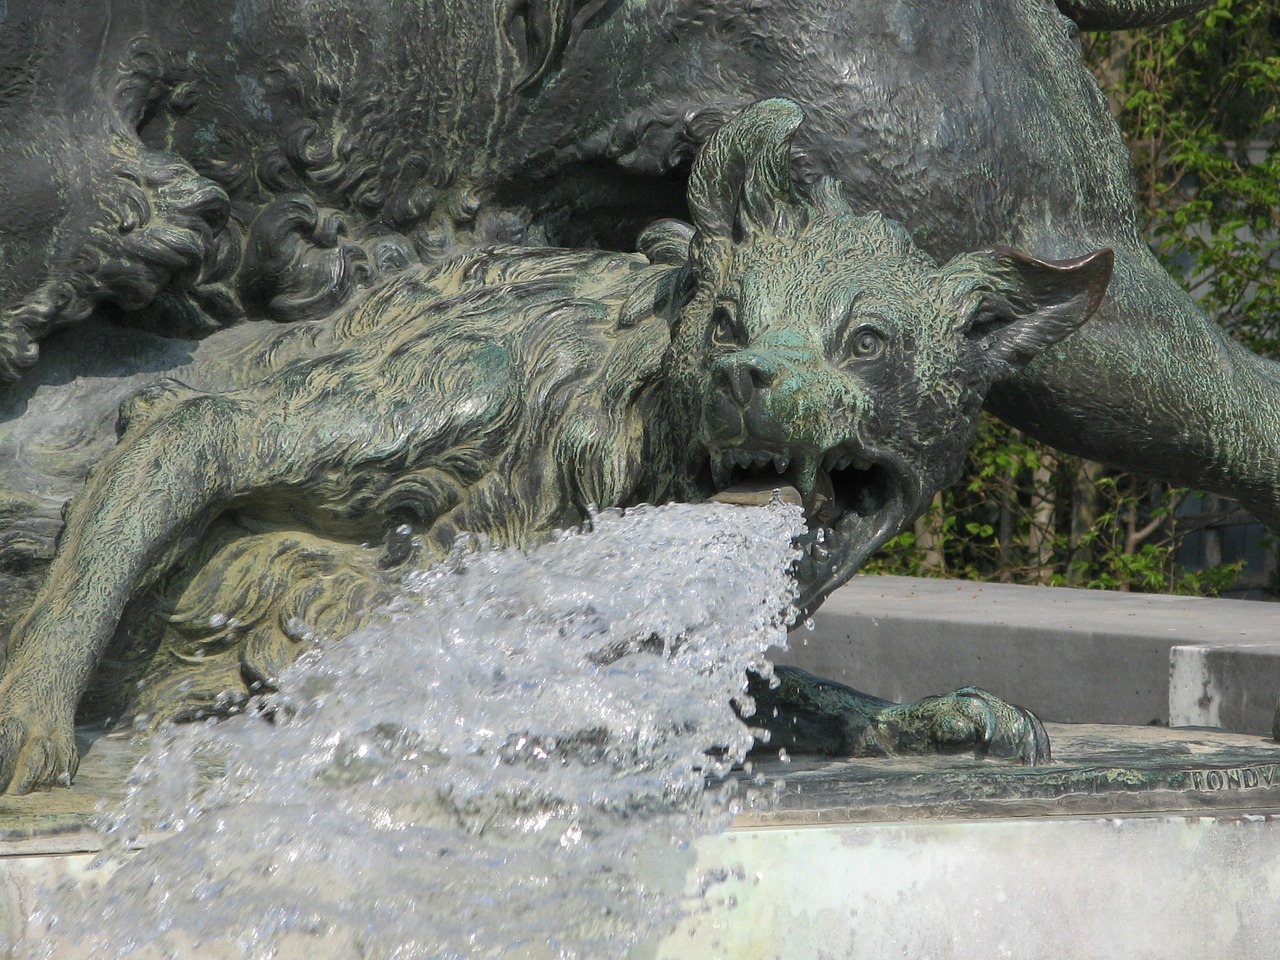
(786, 341)
(203, 162)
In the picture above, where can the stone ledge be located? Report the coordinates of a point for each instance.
(1097, 770)
(1173, 887)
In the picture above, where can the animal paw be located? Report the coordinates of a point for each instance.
(36, 749)
(968, 719)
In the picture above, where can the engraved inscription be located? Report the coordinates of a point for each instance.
(1238, 779)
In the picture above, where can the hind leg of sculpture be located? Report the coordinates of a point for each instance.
(1127, 14)
(1152, 385)
(807, 714)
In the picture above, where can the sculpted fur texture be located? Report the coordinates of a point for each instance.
(781, 339)
(187, 166)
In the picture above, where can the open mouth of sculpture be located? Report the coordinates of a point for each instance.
(853, 499)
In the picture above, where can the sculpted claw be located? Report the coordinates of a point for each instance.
(37, 750)
(39, 763)
(1008, 731)
(968, 719)
(36, 765)
(807, 714)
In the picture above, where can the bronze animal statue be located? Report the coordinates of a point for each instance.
(184, 165)
(508, 390)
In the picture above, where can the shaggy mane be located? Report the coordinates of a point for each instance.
(567, 439)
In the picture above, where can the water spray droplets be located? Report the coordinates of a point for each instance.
(515, 753)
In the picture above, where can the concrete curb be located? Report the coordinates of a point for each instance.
(1075, 656)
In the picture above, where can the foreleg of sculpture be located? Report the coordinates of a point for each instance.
(1152, 385)
(807, 714)
(165, 482)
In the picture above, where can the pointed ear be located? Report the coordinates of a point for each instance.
(742, 176)
(1032, 304)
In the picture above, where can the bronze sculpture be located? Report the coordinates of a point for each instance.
(181, 170)
(510, 389)
(266, 159)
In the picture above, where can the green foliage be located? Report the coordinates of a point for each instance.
(1198, 105)
(1031, 515)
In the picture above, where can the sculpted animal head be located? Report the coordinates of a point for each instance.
(822, 350)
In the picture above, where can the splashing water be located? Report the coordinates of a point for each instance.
(509, 762)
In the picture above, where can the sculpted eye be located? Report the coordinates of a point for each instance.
(725, 331)
(867, 343)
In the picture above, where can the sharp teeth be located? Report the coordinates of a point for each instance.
(815, 548)
(806, 476)
(721, 471)
(781, 462)
(742, 458)
(819, 503)
(843, 462)
(762, 458)
(829, 459)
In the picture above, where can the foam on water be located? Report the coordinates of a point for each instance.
(509, 762)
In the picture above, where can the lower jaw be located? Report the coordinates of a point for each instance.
(831, 555)
(832, 549)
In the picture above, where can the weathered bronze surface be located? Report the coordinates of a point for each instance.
(189, 164)
(173, 171)
(1098, 770)
(805, 714)
(505, 393)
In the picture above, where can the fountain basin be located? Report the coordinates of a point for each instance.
(1168, 885)
(1137, 841)
(1134, 842)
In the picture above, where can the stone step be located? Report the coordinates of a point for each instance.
(1080, 656)
(1136, 842)
(1229, 685)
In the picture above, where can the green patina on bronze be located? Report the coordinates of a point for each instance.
(810, 715)
(188, 165)
(182, 168)
(1098, 770)
(505, 393)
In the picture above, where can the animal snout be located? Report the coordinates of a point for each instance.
(742, 374)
